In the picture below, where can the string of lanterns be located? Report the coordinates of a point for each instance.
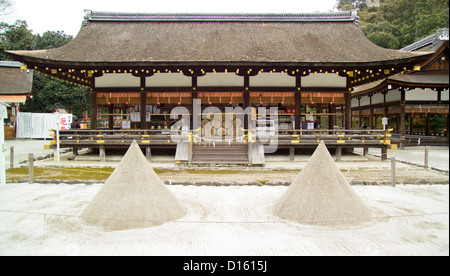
(82, 77)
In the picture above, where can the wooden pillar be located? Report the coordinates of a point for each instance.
(143, 104)
(365, 150)
(448, 127)
(402, 118)
(195, 112)
(331, 118)
(148, 153)
(371, 112)
(384, 152)
(298, 102)
(195, 122)
(246, 100)
(359, 112)
(110, 116)
(427, 124)
(143, 110)
(246, 81)
(338, 153)
(439, 100)
(298, 110)
(348, 110)
(245, 104)
(102, 154)
(397, 123)
(93, 100)
(385, 109)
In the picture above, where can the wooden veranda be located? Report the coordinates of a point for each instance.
(247, 149)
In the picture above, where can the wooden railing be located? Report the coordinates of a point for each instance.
(71, 138)
(358, 137)
(365, 138)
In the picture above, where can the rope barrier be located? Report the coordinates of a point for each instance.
(221, 139)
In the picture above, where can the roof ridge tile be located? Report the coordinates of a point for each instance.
(348, 16)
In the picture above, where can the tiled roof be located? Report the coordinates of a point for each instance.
(6, 63)
(440, 35)
(300, 17)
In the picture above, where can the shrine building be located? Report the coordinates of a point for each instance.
(139, 66)
(411, 99)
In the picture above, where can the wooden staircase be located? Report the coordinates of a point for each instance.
(220, 153)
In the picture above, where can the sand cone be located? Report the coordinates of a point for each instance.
(133, 197)
(320, 194)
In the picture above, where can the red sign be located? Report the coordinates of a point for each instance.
(66, 120)
(290, 110)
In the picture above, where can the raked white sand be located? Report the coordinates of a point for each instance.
(133, 197)
(320, 194)
(237, 220)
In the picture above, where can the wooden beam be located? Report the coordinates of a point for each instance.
(217, 89)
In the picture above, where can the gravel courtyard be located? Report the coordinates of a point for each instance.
(43, 219)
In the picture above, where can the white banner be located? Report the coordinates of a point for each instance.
(23, 127)
(35, 125)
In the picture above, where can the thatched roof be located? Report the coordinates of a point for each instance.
(140, 39)
(14, 81)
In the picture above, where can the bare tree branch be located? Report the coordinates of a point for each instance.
(5, 7)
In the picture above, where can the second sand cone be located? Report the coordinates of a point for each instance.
(320, 194)
(133, 197)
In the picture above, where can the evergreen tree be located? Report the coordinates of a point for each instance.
(47, 92)
(50, 40)
(398, 23)
(15, 37)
